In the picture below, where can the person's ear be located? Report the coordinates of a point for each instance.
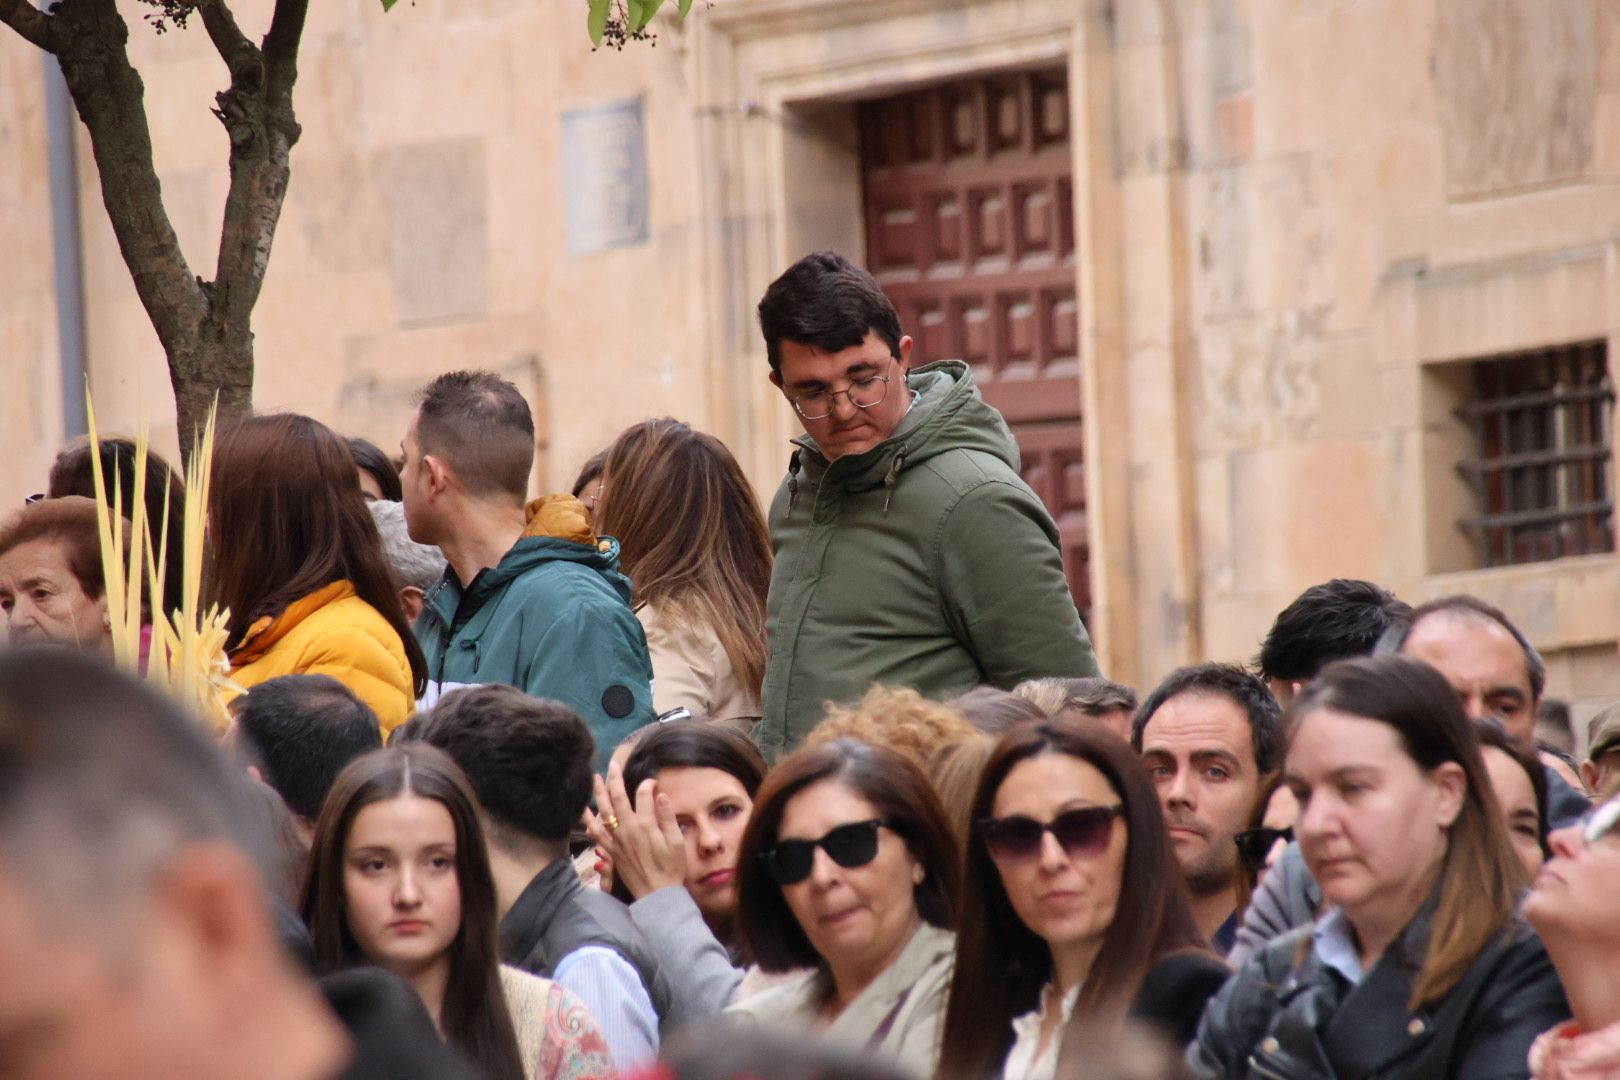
(436, 476)
(410, 598)
(1451, 784)
(216, 920)
(776, 378)
(1589, 775)
(905, 350)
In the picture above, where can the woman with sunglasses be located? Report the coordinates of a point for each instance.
(1073, 907)
(1573, 908)
(848, 868)
(1271, 827)
(1420, 967)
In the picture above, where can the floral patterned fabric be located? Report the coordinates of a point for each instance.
(557, 1035)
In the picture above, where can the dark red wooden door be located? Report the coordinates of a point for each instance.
(970, 231)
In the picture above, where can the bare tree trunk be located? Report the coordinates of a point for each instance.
(205, 327)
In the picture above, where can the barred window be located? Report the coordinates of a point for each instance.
(1543, 424)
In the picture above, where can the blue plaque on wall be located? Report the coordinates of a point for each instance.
(604, 160)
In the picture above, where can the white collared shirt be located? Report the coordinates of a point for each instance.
(1023, 1061)
(1335, 943)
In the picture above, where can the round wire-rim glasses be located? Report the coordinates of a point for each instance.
(857, 392)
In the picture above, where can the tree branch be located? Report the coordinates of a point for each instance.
(229, 41)
(258, 113)
(91, 41)
(33, 24)
(281, 44)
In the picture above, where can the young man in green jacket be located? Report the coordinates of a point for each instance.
(908, 550)
(531, 597)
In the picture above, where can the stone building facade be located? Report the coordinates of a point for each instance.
(1250, 320)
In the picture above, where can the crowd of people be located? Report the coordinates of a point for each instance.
(642, 781)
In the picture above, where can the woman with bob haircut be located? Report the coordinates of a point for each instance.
(693, 542)
(849, 868)
(51, 585)
(683, 801)
(399, 879)
(1074, 909)
(298, 562)
(1419, 966)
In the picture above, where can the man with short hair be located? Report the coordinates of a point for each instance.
(1207, 734)
(136, 934)
(1336, 620)
(529, 762)
(416, 567)
(531, 597)
(1496, 673)
(296, 733)
(909, 552)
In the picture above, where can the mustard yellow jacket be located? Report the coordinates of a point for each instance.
(331, 632)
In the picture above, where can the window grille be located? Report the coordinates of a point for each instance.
(1543, 478)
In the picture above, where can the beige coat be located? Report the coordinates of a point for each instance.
(692, 671)
(912, 991)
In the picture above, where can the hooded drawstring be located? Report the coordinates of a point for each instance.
(793, 480)
(890, 477)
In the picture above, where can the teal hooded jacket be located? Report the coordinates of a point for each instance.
(925, 561)
(553, 619)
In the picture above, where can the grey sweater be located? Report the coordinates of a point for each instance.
(701, 976)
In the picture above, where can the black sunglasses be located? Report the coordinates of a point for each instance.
(789, 862)
(1082, 832)
(1255, 844)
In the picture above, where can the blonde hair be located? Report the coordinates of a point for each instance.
(902, 720)
(954, 771)
(691, 535)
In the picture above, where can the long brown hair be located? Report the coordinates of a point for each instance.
(1480, 875)
(691, 536)
(1001, 964)
(286, 517)
(475, 1017)
(902, 797)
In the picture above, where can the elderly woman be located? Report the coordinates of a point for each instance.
(848, 869)
(51, 586)
(1420, 968)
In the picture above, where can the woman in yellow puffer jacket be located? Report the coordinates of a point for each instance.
(297, 560)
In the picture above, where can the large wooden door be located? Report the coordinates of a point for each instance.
(970, 231)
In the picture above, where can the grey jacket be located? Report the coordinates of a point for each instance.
(703, 979)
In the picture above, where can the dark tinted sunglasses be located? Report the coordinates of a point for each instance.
(1255, 844)
(1081, 832)
(789, 862)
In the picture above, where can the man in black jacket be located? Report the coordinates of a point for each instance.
(136, 935)
(529, 761)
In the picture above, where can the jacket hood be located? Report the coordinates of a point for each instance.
(949, 414)
(557, 529)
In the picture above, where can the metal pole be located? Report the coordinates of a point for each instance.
(67, 246)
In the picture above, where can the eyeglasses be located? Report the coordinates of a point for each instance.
(1082, 833)
(1600, 821)
(1255, 844)
(789, 862)
(862, 393)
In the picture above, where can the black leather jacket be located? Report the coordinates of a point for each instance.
(1282, 1020)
